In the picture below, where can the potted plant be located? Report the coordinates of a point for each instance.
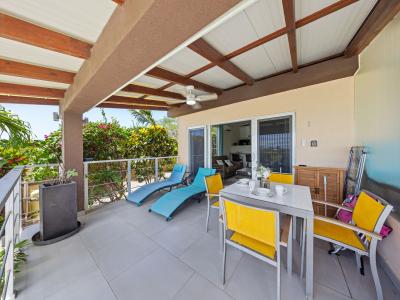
(58, 209)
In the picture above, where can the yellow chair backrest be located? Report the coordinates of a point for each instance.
(251, 222)
(281, 178)
(214, 183)
(367, 212)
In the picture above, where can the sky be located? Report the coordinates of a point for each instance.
(40, 117)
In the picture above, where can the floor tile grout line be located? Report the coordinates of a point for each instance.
(344, 276)
(333, 289)
(97, 266)
(183, 286)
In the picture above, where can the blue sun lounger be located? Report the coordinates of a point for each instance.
(142, 193)
(170, 202)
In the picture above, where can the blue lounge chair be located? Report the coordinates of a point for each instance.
(142, 193)
(170, 202)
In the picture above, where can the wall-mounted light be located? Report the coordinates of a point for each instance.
(56, 117)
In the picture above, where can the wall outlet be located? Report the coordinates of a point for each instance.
(314, 143)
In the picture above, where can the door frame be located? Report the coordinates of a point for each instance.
(209, 150)
(204, 127)
(254, 138)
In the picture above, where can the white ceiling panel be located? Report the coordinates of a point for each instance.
(130, 95)
(257, 21)
(304, 8)
(279, 53)
(232, 35)
(81, 19)
(262, 61)
(266, 16)
(38, 56)
(331, 34)
(184, 62)
(218, 78)
(34, 82)
(255, 63)
(150, 82)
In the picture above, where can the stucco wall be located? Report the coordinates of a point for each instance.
(324, 112)
(377, 111)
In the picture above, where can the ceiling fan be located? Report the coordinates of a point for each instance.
(194, 100)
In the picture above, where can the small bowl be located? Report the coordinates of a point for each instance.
(262, 191)
(244, 181)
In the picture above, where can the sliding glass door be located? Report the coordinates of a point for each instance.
(275, 143)
(196, 148)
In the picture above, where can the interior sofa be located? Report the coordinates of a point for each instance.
(225, 170)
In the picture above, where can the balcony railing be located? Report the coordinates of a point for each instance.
(107, 181)
(10, 202)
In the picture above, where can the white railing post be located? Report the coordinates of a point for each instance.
(86, 185)
(156, 169)
(129, 176)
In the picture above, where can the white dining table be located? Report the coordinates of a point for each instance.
(296, 202)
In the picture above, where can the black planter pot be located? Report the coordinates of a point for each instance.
(58, 213)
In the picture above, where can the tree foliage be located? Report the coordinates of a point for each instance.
(13, 128)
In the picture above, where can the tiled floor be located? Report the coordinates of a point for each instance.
(124, 252)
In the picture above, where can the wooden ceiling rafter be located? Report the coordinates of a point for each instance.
(383, 12)
(28, 100)
(29, 33)
(323, 71)
(20, 69)
(128, 106)
(139, 89)
(338, 5)
(29, 90)
(163, 74)
(290, 20)
(138, 101)
(207, 51)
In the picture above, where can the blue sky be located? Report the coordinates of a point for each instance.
(40, 117)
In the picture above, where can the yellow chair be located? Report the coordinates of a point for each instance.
(285, 178)
(281, 178)
(254, 231)
(213, 186)
(362, 235)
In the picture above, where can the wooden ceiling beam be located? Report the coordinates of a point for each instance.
(207, 51)
(138, 101)
(131, 88)
(14, 68)
(383, 12)
(288, 10)
(27, 100)
(138, 34)
(25, 32)
(176, 78)
(129, 106)
(278, 33)
(324, 71)
(28, 90)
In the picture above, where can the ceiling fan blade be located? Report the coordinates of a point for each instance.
(207, 97)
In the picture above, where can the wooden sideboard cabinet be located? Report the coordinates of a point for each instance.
(314, 178)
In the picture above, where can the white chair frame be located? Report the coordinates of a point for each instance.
(369, 245)
(226, 241)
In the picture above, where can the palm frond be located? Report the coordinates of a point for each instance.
(16, 129)
(143, 117)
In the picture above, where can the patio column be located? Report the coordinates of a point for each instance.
(72, 149)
